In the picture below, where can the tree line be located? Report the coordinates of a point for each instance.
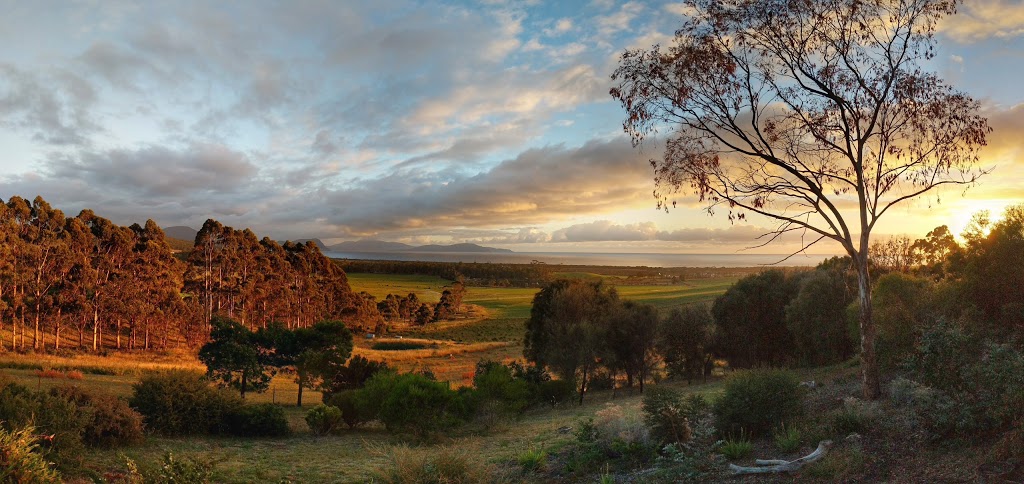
(475, 273)
(583, 332)
(87, 275)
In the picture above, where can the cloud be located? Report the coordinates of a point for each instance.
(53, 106)
(982, 19)
(156, 172)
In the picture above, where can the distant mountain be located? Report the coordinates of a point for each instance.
(181, 232)
(381, 246)
(369, 246)
(457, 248)
(315, 240)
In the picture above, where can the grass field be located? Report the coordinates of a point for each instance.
(493, 330)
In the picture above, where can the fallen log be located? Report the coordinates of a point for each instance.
(770, 466)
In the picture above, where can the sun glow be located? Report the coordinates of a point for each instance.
(963, 215)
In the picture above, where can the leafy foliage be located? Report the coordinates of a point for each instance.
(182, 403)
(21, 460)
(755, 401)
(751, 320)
(323, 419)
(232, 357)
(258, 420)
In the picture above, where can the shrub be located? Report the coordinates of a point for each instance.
(932, 410)
(258, 420)
(323, 419)
(736, 447)
(854, 417)
(622, 434)
(493, 381)
(697, 459)
(109, 420)
(557, 392)
(73, 375)
(182, 403)
(440, 465)
(21, 460)
(669, 415)
(348, 403)
(49, 373)
(411, 402)
(755, 401)
(51, 415)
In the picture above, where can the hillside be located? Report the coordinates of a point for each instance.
(181, 232)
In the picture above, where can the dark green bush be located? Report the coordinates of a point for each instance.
(411, 402)
(557, 392)
(755, 401)
(258, 420)
(110, 421)
(494, 382)
(323, 419)
(183, 403)
(348, 403)
(51, 415)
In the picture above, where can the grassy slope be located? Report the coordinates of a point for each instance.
(494, 333)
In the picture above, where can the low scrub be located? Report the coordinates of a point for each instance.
(258, 420)
(323, 419)
(61, 420)
(109, 421)
(182, 403)
(756, 401)
(403, 465)
(400, 346)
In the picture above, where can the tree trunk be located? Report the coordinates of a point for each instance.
(869, 366)
(302, 382)
(118, 335)
(583, 385)
(35, 333)
(56, 333)
(95, 329)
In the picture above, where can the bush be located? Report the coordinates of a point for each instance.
(323, 419)
(437, 465)
(755, 401)
(21, 460)
(557, 392)
(51, 415)
(109, 421)
(182, 403)
(669, 415)
(495, 382)
(258, 420)
(411, 402)
(856, 416)
(348, 403)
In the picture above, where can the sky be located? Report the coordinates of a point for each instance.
(421, 122)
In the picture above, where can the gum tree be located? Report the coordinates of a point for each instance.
(815, 114)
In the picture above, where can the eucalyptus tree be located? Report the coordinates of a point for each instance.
(814, 114)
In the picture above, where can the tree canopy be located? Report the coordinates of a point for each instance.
(814, 114)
